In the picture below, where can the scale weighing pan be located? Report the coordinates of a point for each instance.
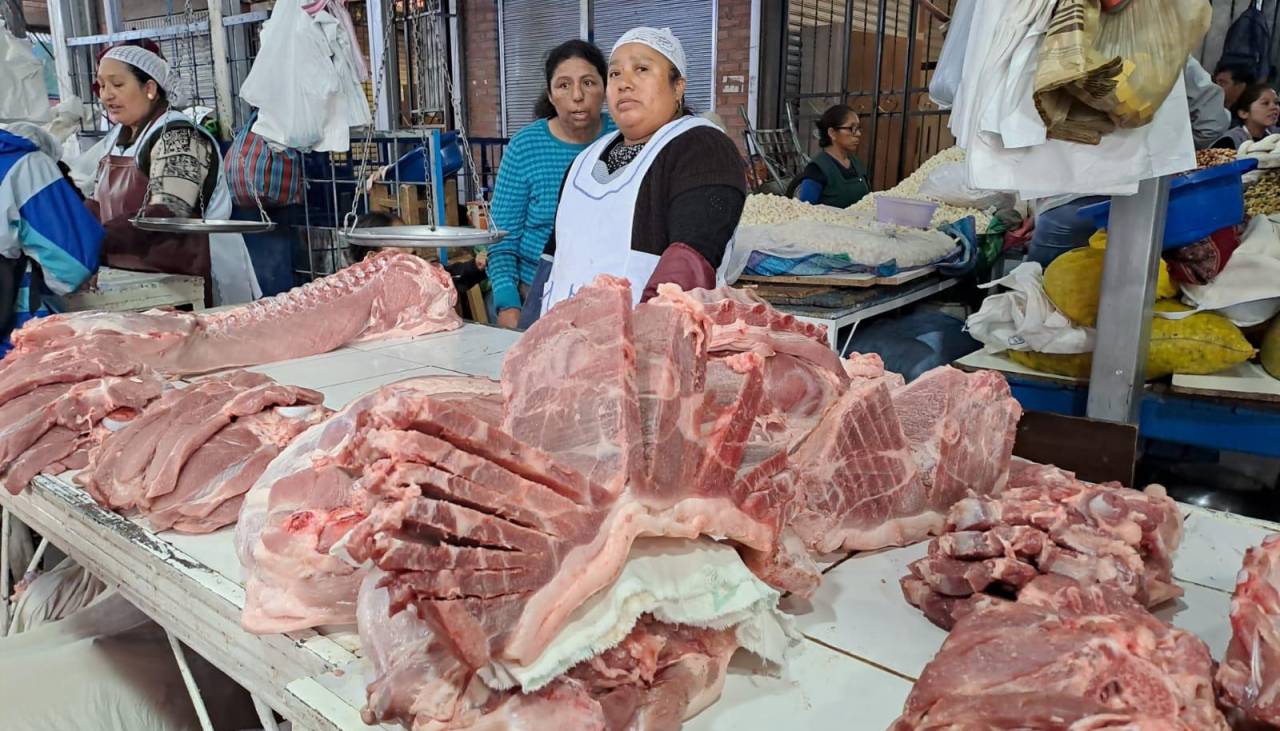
(424, 237)
(201, 226)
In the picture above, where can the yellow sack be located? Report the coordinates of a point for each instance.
(1073, 281)
(1270, 355)
(1074, 366)
(1201, 344)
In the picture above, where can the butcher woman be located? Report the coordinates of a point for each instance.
(655, 202)
(159, 161)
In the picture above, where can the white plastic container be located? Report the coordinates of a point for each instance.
(905, 212)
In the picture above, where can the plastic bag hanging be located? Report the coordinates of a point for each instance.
(1101, 71)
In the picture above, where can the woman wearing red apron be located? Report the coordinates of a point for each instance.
(158, 162)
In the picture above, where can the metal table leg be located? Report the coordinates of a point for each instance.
(197, 700)
(1135, 235)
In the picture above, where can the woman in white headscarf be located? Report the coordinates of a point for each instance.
(658, 201)
(159, 163)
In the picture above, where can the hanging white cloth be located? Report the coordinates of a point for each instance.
(305, 82)
(1025, 319)
(23, 97)
(995, 100)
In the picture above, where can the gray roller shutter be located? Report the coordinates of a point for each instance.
(530, 29)
(693, 22)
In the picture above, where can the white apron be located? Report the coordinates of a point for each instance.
(234, 281)
(594, 221)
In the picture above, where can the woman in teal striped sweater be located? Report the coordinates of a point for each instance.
(534, 165)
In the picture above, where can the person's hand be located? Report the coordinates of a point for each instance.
(509, 318)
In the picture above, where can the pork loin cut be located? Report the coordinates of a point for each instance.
(1249, 677)
(49, 424)
(1065, 656)
(387, 295)
(210, 488)
(304, 505)
(142, 462)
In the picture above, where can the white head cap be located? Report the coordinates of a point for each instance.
(155, 67)
(661, 40)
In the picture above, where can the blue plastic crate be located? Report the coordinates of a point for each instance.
(1200, 203)
(412, 166)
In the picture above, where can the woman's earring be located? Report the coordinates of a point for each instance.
(151, 96)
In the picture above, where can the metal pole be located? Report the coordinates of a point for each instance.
(4, 567)
(265, 715)
(913, 20)
(111, 16)
(377, 16)
(502, 70)
(221, 70)
(875, 94)
(437, 185)
(202, 713)
(1135, 235)
(58, 27)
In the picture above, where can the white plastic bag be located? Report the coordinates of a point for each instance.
(23, 97)
(948, 184)
(1025, 319)
(946, 77)
(305, 82)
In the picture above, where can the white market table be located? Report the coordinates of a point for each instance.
(863, 645)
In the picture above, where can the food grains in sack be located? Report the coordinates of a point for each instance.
(1263, 197)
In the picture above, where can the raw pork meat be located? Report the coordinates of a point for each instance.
(961, 427)
(860, 486)
(210, 489)
(385, 296)
(47, 425)
(655, 678)
(500, 577)
(142, 462)
(1065, 656)
(303, 505)
(555, 381)
(1249, 677)
(1091, 533)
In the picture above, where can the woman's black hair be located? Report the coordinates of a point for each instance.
(1251, 94)
(575, 48)
(835, 116)
(372, 219)
(674, 76)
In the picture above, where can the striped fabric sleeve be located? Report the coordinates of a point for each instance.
(510, 208)
(54, 228)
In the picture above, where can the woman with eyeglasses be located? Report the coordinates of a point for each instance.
(835, 177)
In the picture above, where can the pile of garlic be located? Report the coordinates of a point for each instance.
(910, 188)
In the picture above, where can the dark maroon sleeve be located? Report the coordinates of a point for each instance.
(680, 264)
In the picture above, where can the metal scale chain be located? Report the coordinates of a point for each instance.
(362, 175)
(433, 10)
(189, 18)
